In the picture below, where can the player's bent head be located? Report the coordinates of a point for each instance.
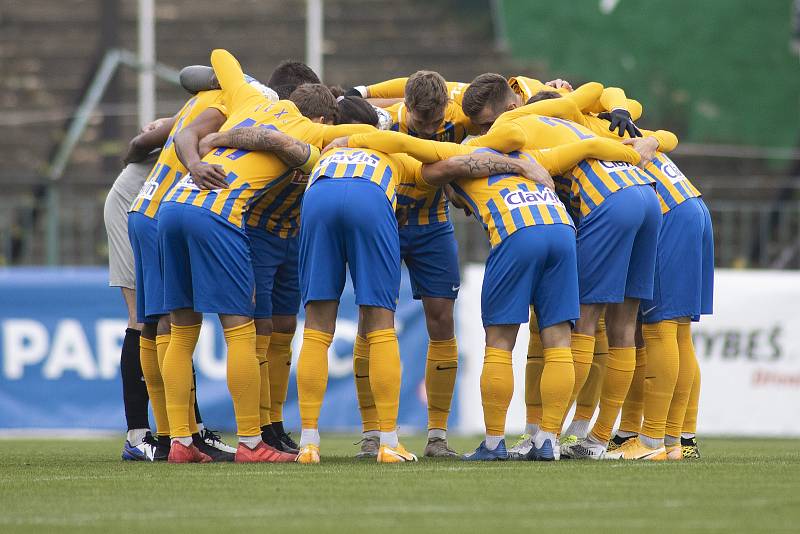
(316, 102)
(543, 95)
(426, 102)
(355, 110)
(289, 75)
(487, 97)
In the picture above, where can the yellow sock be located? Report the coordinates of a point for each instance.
(441, 367)
(366, 402)
(533, 374)
(589, 395)
(244, 381)
(683, 386)
(155, 385)
(264, 400)
(177, 375)
(663, 363)
(497, 388)
(558, 380)
(619, 372)
(312, 375)
(633, 407)
(384, 376)
(582, 356)
(162, 344)
(690, 419)
(279, 356)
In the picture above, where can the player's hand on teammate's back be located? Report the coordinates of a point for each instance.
(339, 142)
(559, 84)
(450, 193)
(533, 171)
(208, 176)
(150, 126)
(645, 146)
(621, 121)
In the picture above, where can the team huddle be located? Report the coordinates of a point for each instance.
(262, 198)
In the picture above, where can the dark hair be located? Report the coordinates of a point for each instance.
(488, 89)
(426, 93)
(314, 100)
(355, 110)
(289, 75)
(336, 90)
(543, 95)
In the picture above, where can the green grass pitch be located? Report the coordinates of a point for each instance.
(82, 486)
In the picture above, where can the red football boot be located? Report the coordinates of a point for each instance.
(181, 454)
(262, 453)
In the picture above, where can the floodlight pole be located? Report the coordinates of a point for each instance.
(314, 36)
(147, 59)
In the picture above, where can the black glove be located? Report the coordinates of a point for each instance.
(621, 122)
(353, 92)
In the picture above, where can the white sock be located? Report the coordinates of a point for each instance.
(578, 428)
(200, 428)
(136, 435)
(543, 436)
(531, 429)
(493, 441)
(670, 441)
(309, 436)
(651, 443)
(371, 434)
(251, 442)
(437, 433)
(687, 435)
(185, 441)
(389, 438)
(624, 434)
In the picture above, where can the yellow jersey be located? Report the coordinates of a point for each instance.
(251, 174)
(592, 181)
(278, 210)
(387, 171)
(672, 186)
(426, 206)
(169, 169)
(503, 203)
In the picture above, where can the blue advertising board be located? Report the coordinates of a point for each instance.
(61, 333)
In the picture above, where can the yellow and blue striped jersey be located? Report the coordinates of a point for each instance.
(251, 174)
(592, 180)
(278, 210)
(169, 169)
(505, 203)
(672, 186)
(384, 170)
(428, 207)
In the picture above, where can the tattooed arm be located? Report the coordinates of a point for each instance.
(293, 153)
(481, 165)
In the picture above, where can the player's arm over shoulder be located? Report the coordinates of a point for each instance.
(505, 136)
(562, 158)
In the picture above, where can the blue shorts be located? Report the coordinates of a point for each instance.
(275, 270)
(617, 247)
(349, 222)
(430, 252)
(684, 283)
(143, 233)
(535, 265)
(205, 261)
